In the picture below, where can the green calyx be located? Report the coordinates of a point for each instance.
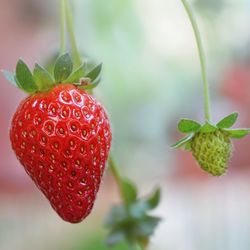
(41, 80)
(192, 127)
(210, 144)
(130, 221)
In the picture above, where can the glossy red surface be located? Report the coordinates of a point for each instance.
(62, 138)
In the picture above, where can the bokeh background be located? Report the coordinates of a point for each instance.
(151, 78)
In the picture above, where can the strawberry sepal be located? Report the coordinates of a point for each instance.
(238, 133)
(182, 141)
(228, 121)
(41, 80)
(210, 144)
(207, 128)
(187, 126)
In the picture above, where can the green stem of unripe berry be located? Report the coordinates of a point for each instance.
(202, 59)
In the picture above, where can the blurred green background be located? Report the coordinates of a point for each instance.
(151, 78)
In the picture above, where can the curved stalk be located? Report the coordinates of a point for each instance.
(202, 59)
(117, 176)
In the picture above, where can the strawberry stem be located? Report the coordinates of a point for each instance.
(202, 59)
(118, 179)
(75, 52)
(62, 21)
(78, 60)
(117, 176)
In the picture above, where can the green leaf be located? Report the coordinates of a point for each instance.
(182, 142)
(228, 121)
(238, 133)
(207, 128)
(154, 199)
(18, 84)
(147, 226)
(76, 75)
(116, 215)
(25, 78)
(63, 68)
(187, 126)
(115, 237)
(95, 73)
(10, 77)
(131, 222)
(43, 78)
(129, 191)
(139, 208)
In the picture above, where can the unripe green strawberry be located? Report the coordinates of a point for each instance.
(212, 151)
(210, 144)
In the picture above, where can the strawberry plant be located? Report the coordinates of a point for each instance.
(209, 143)
(62, 136)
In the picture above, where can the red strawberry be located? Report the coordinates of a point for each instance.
(62, 138)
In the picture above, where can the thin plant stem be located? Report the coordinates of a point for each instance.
(62, 26)
(202, 59)
(115, 171)
(75, 52)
